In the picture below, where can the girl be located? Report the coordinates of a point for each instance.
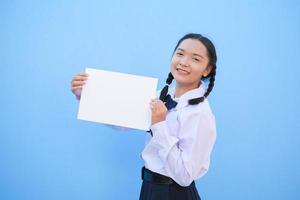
(183, 130)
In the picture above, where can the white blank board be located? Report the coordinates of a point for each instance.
(117, 99)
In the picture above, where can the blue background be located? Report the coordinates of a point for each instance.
(47, 154)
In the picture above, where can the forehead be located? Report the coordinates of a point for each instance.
(193, 46)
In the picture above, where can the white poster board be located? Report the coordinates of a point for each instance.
(117, 99)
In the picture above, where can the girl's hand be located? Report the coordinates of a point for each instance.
(159, 111)
(77, 82)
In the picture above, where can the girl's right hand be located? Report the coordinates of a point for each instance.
(77, 82)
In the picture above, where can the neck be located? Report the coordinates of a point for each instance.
(181, 89)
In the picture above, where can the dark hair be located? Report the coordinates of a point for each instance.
(212, 57)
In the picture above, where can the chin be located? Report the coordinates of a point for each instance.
(184, 80)
(181, 80)
(178, 76)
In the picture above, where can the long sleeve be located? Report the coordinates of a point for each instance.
(184, 156)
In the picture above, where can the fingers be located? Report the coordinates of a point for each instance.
(156, 101)
(81, 76)
(76, 88)
(159, 111)
(78, 83)
(153, 103)
(79, 79)
(157, 104)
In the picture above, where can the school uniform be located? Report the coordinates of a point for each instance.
(177, 150)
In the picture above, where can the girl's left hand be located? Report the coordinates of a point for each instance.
(159, 111)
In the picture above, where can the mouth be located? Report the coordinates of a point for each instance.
(182, 71)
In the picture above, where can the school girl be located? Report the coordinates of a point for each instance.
(183, 130)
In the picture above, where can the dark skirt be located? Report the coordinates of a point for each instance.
(152, 190)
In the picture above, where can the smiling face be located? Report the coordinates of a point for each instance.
(190, 63)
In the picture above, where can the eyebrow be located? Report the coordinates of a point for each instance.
(195, 54)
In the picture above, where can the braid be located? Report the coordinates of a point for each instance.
(211, 81)
(198, 100)
(164, 91)
(170, 78)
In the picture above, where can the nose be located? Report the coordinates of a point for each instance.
(184, 61)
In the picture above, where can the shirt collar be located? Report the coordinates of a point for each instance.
(194, 93)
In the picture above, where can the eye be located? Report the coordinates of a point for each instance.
(196, 59)
(179, 54)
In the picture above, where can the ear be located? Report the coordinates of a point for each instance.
(207, 71)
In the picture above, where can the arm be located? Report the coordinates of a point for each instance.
(187, 156)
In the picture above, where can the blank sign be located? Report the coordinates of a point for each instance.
(117, 99)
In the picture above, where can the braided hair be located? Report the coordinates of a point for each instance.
(212, 57)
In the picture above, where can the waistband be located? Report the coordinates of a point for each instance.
(150, 176)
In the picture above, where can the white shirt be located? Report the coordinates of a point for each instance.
(181, 145)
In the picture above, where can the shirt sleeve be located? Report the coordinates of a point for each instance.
(185, 157)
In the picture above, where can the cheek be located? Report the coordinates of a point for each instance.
(198, 70)
(173, 63)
